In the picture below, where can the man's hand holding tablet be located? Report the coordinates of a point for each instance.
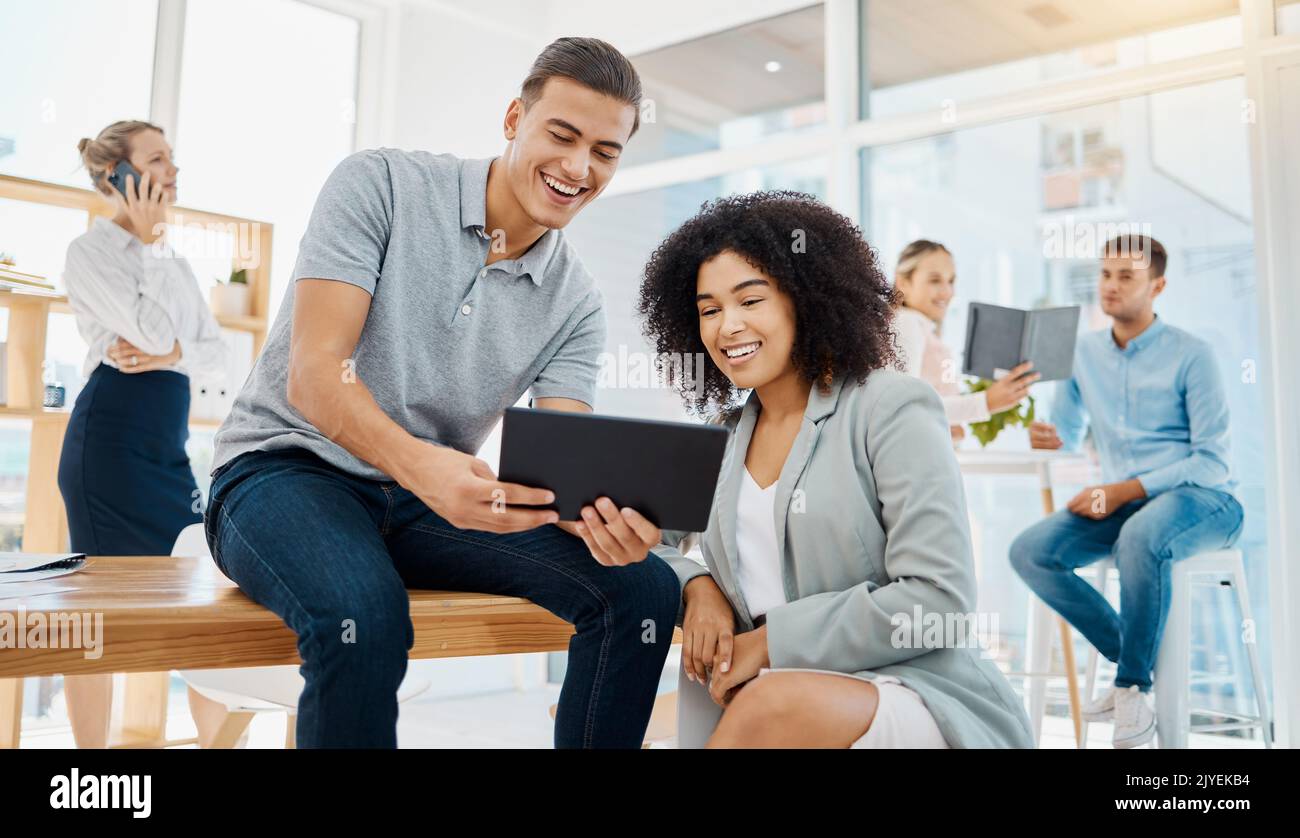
(464, 491)
(617, 480)
(614, 536)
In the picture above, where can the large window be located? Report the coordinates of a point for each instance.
(267, 109)
(1018, 204)
(69, 68)
(941, 54)
(1171, 155)
(1288, 16)
(617, 236)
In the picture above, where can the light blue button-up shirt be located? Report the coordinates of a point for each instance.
(1157, 408)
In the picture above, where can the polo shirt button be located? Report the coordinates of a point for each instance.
(481, 275)
(466, 309)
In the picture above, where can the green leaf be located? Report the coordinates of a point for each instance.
(988, 430)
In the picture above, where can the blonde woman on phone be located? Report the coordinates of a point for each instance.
(123, 471)
(924, 282)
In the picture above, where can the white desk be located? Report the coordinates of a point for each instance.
(1036, 462)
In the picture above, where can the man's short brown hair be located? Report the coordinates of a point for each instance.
(1143, 248)
(590, 62)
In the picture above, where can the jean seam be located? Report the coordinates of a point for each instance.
(388, 509)
(270, 572)
(1228, 503)
(215, 507)
(456, 535)
(1165, 553)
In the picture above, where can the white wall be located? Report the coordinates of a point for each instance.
(457, 72)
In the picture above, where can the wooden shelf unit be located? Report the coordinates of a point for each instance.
(45, 522)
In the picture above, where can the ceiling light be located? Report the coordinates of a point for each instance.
(772, 66)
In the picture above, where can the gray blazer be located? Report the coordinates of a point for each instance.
(871, 523)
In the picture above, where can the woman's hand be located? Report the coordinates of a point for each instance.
(707, 629)
(750, 656)
(147, 210)
(615, 537)
(1008, 390)
(131, 359)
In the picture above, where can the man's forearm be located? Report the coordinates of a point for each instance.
(342, 408)
(1130, 490)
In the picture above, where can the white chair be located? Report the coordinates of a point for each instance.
(247, 691)
(1172, 682)
(697, 713)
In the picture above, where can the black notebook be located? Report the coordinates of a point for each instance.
(1000, 338)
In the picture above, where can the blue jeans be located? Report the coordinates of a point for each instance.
(1144, 537)
(333, 556)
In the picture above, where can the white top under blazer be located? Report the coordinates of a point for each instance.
(759, 569)
(120, 287)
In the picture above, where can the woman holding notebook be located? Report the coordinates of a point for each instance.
(838, 529)
(924, 282)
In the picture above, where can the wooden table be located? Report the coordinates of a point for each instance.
(162, 613)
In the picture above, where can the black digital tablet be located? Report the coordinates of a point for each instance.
(667, 471)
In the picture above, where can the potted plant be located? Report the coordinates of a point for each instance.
(230, 298)
(988, 430)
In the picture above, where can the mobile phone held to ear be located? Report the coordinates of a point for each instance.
(119, 178)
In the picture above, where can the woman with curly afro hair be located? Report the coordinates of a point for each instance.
(833, 607)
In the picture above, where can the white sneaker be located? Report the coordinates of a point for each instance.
(1135, 721)
(1101, 709)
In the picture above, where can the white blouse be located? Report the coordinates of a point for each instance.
(926, 356)
(758, 567)
(120, 287)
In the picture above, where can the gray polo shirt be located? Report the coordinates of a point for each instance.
(448, 343)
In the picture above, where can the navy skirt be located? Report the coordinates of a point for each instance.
(124, 474)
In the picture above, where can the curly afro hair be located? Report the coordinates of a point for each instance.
(844, 305)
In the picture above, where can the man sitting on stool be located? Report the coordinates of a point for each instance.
(1159, 416)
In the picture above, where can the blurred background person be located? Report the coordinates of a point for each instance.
(924, 282)
(124, 474)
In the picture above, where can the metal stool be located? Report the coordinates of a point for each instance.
(1173, 664)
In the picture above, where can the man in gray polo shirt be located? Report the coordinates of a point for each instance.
(431, 293)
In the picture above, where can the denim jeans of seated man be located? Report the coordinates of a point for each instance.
(333, 556)
(1144, 537)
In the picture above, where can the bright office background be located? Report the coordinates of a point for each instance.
(979, 123)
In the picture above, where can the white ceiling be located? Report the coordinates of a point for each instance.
(906, 40)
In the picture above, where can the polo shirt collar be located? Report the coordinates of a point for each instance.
(473, 215)
(473, 193)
